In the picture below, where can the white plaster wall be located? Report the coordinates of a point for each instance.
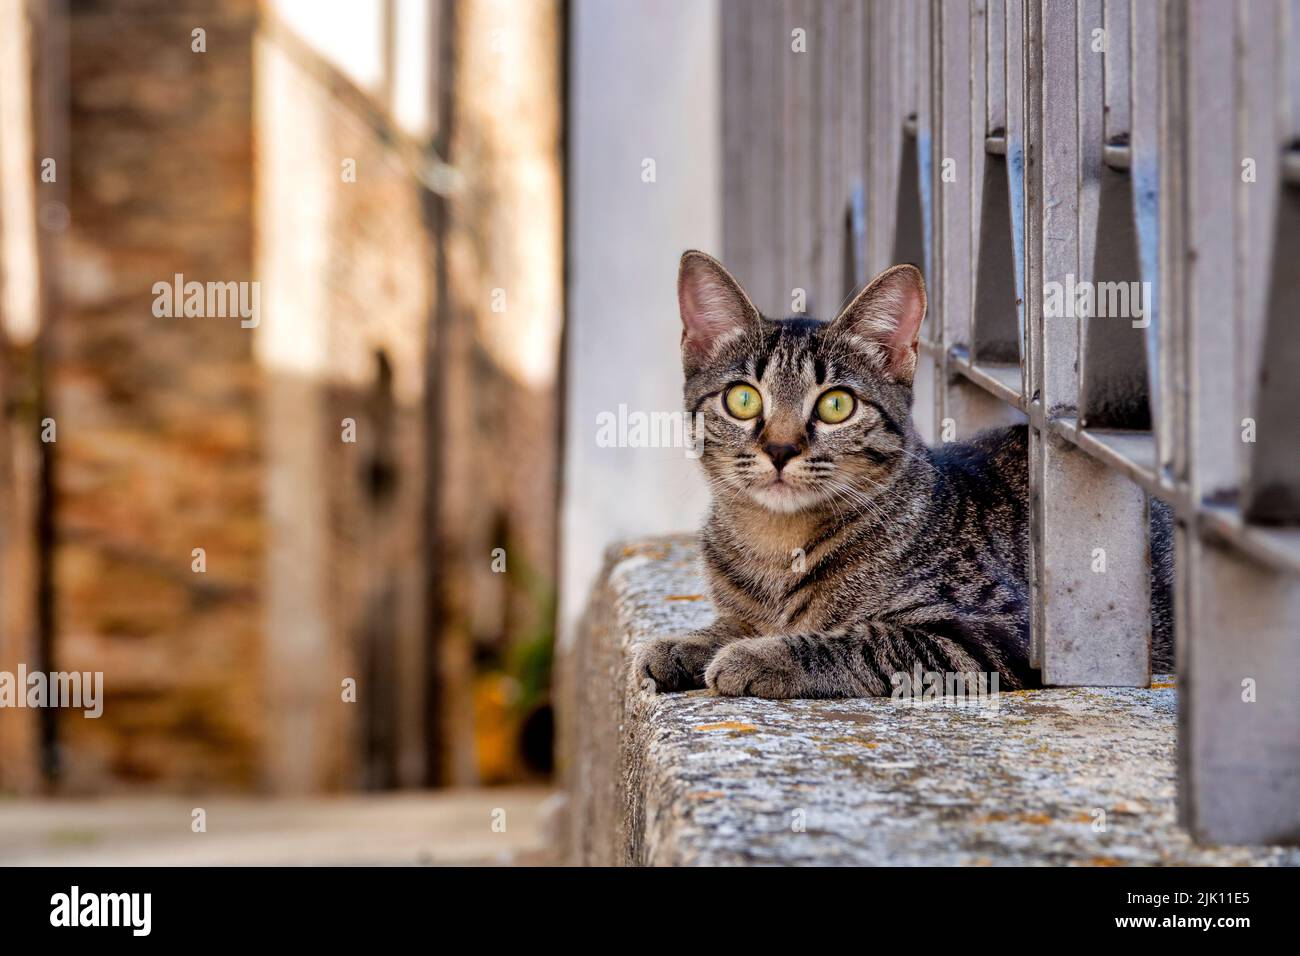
(644, 84)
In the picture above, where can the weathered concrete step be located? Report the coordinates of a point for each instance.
(1066, 776)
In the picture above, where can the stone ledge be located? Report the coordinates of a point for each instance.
(693, 778)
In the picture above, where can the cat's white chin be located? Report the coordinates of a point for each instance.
(783, 498)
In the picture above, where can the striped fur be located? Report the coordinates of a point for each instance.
(874, 554)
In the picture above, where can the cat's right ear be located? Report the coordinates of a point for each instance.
(883, 321)
(714, 307)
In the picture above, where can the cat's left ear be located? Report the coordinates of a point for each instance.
(713, 305)
(884, 320)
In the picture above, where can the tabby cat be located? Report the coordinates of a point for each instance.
(839, 549)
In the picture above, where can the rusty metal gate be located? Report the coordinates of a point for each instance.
(1105, 198)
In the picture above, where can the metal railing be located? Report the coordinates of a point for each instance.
(1022, 151)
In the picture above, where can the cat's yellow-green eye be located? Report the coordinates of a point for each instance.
(743, 401)
(835, 406)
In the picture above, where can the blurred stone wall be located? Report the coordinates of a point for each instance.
(158, 449)
(178, 433)
(352, 465)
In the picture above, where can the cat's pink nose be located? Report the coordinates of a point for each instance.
(780, 454)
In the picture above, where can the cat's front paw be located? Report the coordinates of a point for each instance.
(674, 663)
(757, 667)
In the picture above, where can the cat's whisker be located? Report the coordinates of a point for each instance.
(923, 460)
(865, 502)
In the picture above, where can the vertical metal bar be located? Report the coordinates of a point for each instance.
(1212, 171)
(869, 158)
(853, 140)
(1291, 91)
(1054, 343)
(830, 128)
(1260, 140)
(769, 51)
(1091, 609)
(738, 128)
(956, 178)
(1239, 738)
(1091, 131)
(1145, 165)
(905, 51)
(916, 75)
(885, 126)
(1057, 379)
(1271, 476)
(1034, 221)
(978, 128)
(1174, 352)
(1239, 715)
(1115, 68)
(925, 130)
(995, 66)
(1174, 450)
(1014, 105)
(800, 186)
(933, 108)
(1096, 612)
(960, 172)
